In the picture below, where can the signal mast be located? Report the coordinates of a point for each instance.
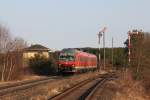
(101, 32)
(134, 32)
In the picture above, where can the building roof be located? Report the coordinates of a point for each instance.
(37, 47)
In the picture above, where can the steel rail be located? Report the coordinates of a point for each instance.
(98, 86)
(90, 92)
(24, 85)
(70, 90)
(94, 89)
(9, 85)
(97, 82)
(74, 88)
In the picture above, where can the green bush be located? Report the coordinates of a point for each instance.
(42, 66)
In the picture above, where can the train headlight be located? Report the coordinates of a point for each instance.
(73, 65)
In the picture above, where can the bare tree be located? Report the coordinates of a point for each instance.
(5, 39)
(19, 43)
(8, 58)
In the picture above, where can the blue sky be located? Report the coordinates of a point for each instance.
(74, 23)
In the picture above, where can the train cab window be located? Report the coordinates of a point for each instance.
(71, 58)
(66, 57)
(62, 57)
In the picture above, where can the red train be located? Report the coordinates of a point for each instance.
(72, 60)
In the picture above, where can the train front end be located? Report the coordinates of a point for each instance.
(66, 61)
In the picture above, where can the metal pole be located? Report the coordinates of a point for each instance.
(104, 47)
(112, 52)
(99, 56)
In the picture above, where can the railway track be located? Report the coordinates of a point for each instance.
(85, 89)
(25, 85)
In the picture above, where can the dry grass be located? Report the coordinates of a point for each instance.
(30, 77)
(129, 89)
(21, 79)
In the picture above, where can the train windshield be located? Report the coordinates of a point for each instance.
(66, 57)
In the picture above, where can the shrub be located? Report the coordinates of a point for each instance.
(42, 66)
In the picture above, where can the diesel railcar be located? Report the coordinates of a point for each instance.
(73, 60)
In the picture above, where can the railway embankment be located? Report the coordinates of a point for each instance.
(124, 87)
(129, 89)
